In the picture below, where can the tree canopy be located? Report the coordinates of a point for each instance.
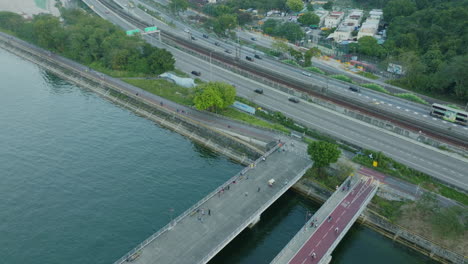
(89, 40)
(323, 153)
(295, 5)
(178, 5)
(328, 5)
(309, 18)
(214, 96)
(288, 30)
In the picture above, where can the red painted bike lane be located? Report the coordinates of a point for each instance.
(320, 241)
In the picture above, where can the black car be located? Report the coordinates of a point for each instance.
(205, 35)
(217, 43)
(293, 99)
(257, 56)
(193, 38)
(254, 39)
(249, 58)
(355, 89)
(197, 73)
(259, 91)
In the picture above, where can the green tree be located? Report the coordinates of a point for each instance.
(308, 19)
(328, 5)
(396, 8)
(310, 7)
(323, 153)
(280, 46)
(290, 31)
(295, 5)
(309, 54)
(297, 55)
(270, 25)
(178, 5)
(214, 96)
(368, 46)
(223, 23)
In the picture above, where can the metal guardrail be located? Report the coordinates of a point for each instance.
(171, 224)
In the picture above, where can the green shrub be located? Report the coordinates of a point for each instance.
(375, 87)
(342, 78)
(411, 97)
(315, 69)
(291, 62)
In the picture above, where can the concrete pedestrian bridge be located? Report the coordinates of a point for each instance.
(199, 233)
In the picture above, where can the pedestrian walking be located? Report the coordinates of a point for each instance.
(203, 211)
(228, 187)
(258, 190)
(209, 211)
(314, 255)
(246, 193)
(336, 229)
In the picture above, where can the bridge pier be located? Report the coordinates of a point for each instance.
(255, 221)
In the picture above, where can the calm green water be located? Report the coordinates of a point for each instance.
(84, 181)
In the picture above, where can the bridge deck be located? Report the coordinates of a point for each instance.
(200, 235)
(315, 244)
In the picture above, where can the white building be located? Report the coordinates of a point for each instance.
(333, 19)
(351, 23)
(322, 14)
(371, 25)
(355, 15)
(345, 30)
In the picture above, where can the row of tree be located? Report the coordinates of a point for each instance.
(89, 40)
(429, 39)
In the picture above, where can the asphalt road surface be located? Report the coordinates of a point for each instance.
(445, 166)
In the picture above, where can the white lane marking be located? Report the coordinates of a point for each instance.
(416, 113)
(434, 118)
(398, 107)
(407, 110)
(466, 128)
(367, 96)
(373, 99)
(382, 102)
(455, 125)
(443, 121)
(424, 115)
(325, 235)
(304, 261)
(390, 104)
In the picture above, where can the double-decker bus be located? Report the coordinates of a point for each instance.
(450, 114)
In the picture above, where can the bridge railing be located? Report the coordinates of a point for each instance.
(171, 224)
(253, 216)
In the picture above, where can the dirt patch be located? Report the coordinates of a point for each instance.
(412, 219)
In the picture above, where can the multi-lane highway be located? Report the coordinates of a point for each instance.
(379, 101)
(442, 165)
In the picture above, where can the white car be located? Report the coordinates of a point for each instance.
(186, 30)
(307, 74)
